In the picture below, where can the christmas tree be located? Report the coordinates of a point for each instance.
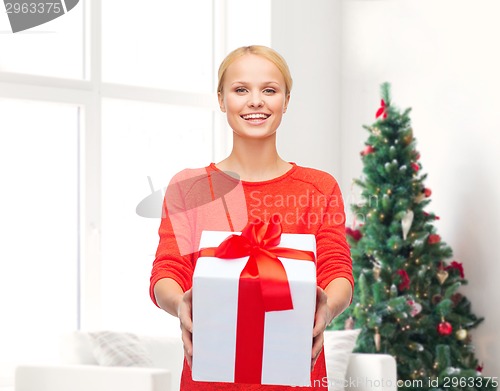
(406, 299)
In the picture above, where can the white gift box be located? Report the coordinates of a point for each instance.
(287, 334)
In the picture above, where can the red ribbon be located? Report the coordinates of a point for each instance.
(263, 287)
(382, 110)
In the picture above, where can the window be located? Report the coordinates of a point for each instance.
(93, 118)
(173, 40)
(141, 140)
(39, 228)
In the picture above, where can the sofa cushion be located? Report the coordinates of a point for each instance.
(338, 346)
(119, 349)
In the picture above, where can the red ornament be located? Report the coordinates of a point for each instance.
(444, 328)
(415, 167)
(433, 239)
(382, 111)
(458, 266)
(368, 149)
(427, 192)
(433, 216)
(479, 368)
(405, 280)
(354, 233)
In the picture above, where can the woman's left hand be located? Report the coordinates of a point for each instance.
(321, 319)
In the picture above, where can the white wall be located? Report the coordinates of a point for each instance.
(442, 59)
(309, 132)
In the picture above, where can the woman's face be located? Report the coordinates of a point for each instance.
(254, 96)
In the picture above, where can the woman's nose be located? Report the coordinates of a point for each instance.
(255, 100)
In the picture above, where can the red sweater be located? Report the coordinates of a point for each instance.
(308, 201)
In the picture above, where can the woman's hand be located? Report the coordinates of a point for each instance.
(321, 319)
(185, 315)
(330, 303)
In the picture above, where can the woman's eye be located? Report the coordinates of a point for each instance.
(269, 91)
(240, 90)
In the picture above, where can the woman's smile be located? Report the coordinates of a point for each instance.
(253, 97)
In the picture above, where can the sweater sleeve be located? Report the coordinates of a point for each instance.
(172, 260)
(333, 253)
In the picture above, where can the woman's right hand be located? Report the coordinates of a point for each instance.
(185, 315)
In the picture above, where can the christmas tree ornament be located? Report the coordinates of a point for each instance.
(393, 291)
(406, 222)
(408, 137)
(461, 334)
(415, 167)
(457, 266)
(444, 328)
(392, 151)
(353, 233)
(427, 192)
(479, 368)
(419, 198)
(382, 111)
(377, 339)
(368, 149)
(442, 276)
(376, 131)
(433, 239)
(376, 272)
(431, 216)
(349, 323)
(415, 308)
(405, 280)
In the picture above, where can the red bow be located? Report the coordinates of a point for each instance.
(263, 287)
(458, 266)
(382, 110)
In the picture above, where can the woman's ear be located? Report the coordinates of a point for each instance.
(221, 102)
(285, 106)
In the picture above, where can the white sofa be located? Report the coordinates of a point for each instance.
(79, 370)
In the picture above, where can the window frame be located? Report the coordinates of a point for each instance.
(88, 94)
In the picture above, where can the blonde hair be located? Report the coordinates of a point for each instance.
(263, 51)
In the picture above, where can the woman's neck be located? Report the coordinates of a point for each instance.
(255, 160)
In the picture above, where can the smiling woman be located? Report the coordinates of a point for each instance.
(253, 91)
(254, 95)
